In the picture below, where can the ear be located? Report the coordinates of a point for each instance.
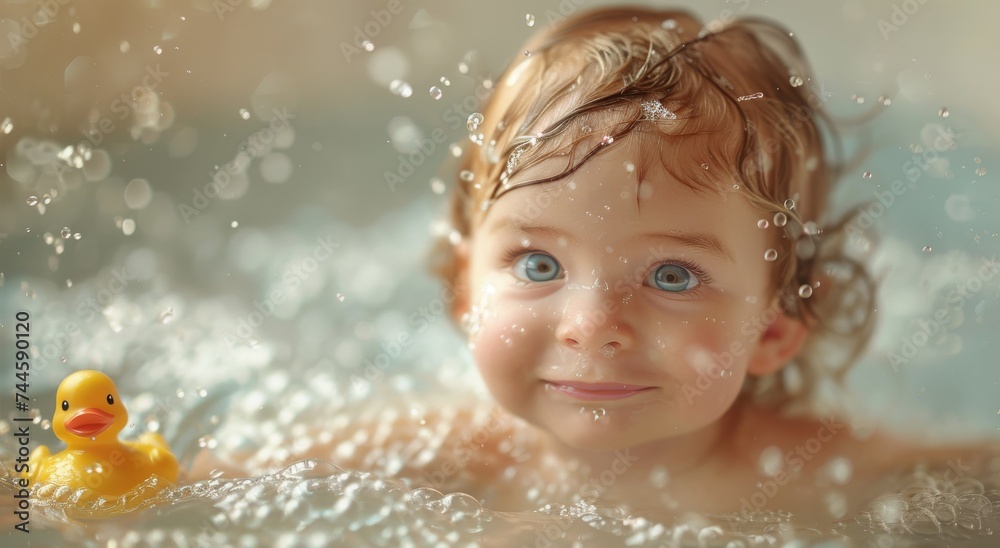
(460, 305)
(780, 343)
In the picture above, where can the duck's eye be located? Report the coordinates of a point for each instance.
(674, 278)
(65, 405)
(537, 267)
(111, 400)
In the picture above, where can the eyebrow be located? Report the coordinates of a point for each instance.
(700, 241)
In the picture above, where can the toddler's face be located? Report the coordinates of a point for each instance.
(611, 319)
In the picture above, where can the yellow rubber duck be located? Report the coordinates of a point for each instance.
(89, 415)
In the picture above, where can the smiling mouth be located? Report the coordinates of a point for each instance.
(601, 391)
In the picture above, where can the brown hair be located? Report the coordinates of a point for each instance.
(739, 115)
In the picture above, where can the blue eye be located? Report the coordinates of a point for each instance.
(537, 267)
(673, 278)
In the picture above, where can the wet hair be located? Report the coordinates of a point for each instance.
(730, 109)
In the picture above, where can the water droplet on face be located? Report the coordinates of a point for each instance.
(866, 175)
(245, 114)
(805, 291)
(474, 120)
(436, 93)
(466, 176)
(943, 112)
(762, 223)
(927, 249)
(32, 200)
(629, 167)
(770, 255)
(795, 81)
(780, 219)
(599, 414)
(529, 20)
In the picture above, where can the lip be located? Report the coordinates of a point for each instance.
(89, 422)
(597, 391)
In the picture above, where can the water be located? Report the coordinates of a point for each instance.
(240, 338)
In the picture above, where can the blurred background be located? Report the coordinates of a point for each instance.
(203, 151)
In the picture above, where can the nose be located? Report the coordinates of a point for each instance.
(594, 320)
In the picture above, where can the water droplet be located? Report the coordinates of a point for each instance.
(401, 88)
(704, 166)
(466, 176)
(770, 461)
(805, 291)
(77, 236)
(762, 223)
(981, 171)
(866, 175)
(435, 93)
(7, 126)
(978, 160)
(608, 351)
(474, 120)
(437, 186)
(166, 316)
(780, 219)
(770, 255)
(927, 249)
(529, 20)
(46, 199)
(456, 150)
(752, 96)
(65, 232)
(789, 204)
(607, 140)
(340, 297)
(795, 81)
(124, 46)
(32, 200)
(157, 49)
(527, 53)
(599, 413)
(180, 392)
(245, 114)
(629, 167)
(368, 45)
(445, 81)
(943, 112)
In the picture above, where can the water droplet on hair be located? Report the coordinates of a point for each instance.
(866, 175)
(795, 81)
(529, 20)
(780, 219)
(805, 291)
(704, 166)
(736, 186)
(474, 120)
(927, 249)
(466, 176)
(401, 88)
(669, 24)
(607, 140)
(762, 223)
(810, 228)
(943, 112)
(789, 204)
(435, 93)
(770, 255)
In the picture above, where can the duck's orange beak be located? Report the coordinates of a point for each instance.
(89, 422)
